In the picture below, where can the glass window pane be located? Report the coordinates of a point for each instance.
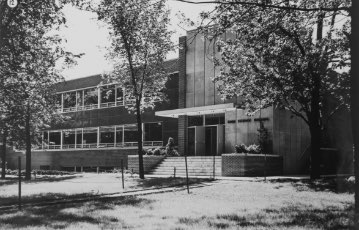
(79, 98)
(107, 135)
(195, 120)
(130, 133)
(69, 100)
(108, 94)
(90, 96)
(214, 119)
(119, 98)
(153, 131)
(119, 134)
(68, 137)
(90, 136)
(55, 138)
(79, 136)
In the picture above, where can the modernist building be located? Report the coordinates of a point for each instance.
(101, 132)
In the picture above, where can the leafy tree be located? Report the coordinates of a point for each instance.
(29, 51)
(314, 6)
(140, 42)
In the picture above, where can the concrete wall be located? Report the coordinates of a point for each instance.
(291, 139)
(149, 162)
(79, 158)
(251, 165)
(243, 129)
(200, 89)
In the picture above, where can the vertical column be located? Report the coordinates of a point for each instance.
(98, 97)
(61, 139)
(98, 137)
(62, 102)
(182, 72)
(182, 134)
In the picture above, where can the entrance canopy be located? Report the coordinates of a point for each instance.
(201, 110)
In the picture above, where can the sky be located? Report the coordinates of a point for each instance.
(84, 34)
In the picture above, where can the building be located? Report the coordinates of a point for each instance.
(101, 132)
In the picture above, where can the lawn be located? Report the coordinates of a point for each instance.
(79, 185)
(223, 204)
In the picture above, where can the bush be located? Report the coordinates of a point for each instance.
(253, 149)
(241, 148)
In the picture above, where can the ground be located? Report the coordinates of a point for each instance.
(220, 204)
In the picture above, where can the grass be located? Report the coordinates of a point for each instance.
(223, 205)
(48, 188)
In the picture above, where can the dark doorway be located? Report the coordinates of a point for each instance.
(211, 140)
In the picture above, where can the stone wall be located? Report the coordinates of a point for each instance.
(58, 160)
(251, 165)
(149, 162)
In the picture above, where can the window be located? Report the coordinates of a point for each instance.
(79, 138)
(54, 139)
(119, 96)
(119, 135)
(68, 139)
(107, 136)
(90, 138)
(69, 101)
(108, 97)
(214, 119)
(153, 131)
(130, 133)
(90, 98)
(80, 99)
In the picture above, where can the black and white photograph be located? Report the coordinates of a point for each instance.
(179, 114)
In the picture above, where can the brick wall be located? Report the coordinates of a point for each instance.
(251, 165)
(79, 158)
(149, 162)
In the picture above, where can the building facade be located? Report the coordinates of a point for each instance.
(102, 133)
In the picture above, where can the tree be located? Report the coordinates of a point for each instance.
(140, 42)
(354, 51)
(29, 51)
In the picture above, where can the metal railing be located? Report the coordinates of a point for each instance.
(101, 145)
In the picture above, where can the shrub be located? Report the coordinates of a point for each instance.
(241, 148)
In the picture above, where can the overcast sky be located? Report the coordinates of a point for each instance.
(85, 35)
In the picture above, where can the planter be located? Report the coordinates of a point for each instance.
(251, 165)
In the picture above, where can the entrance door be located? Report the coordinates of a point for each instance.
(211, 141)
(196, 141)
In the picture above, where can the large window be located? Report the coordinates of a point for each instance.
(78, 138)
(54, 139)
(130, 135)
(108, 97)
(119, 96)
(153, 131)
(68, 138)
(90, 98)
(195, 121)
(80, 100)
(69, 101)
(90, 138)
(119, 136)
(214, 119)
(107, 136)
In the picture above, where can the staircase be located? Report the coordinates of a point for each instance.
(197, 166)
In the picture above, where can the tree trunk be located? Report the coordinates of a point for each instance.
(28, 145)
(315, 139)
(3, 157)
(139, 140)
(354, 96)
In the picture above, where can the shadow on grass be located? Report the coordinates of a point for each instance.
(287, 217)
(336, 185)
(15, 180)
(64, 215)
(168, 182)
